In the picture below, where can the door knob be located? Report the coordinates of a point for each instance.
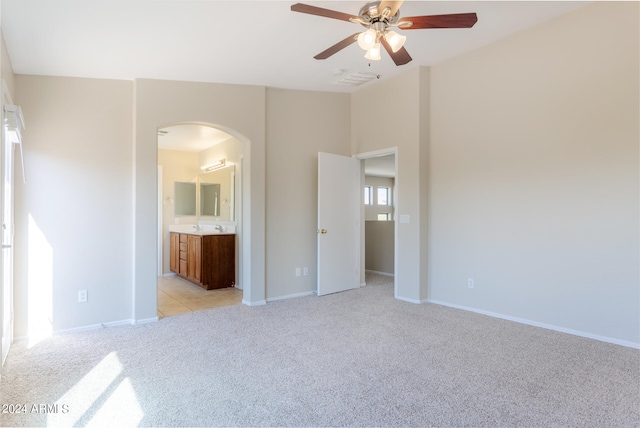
(323, 231)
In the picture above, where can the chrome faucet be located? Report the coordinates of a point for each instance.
(197, 227)
(219, 228)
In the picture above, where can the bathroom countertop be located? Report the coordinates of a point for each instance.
(203, 232)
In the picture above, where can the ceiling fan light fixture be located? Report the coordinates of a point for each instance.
(395, 40)
(373, 53)
(367, 39)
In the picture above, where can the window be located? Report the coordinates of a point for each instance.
(383, 195)
(384, 216)
(368, 195)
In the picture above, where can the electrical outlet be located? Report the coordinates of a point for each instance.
(305, 271)
(470, 282)
(83, 296)
(297, 271)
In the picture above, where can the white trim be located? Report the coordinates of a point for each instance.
(160, 202)
(6, 331)
(406, 299)
(256, 303)
(380, 273)
(291, 296)
(100, 326)
(145, 321)
(375, 153)
(396, 247)
(540, 324)
(93, 327)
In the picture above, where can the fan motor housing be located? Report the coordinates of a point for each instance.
(371, 13)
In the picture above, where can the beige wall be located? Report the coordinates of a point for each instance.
(299, 125)
(236, 109)
(73, 215)
(534, 175)
(379, 245)
(6, 70)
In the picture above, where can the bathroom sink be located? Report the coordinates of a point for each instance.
(208, 232)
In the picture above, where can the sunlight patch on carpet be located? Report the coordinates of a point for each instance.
(103, 397)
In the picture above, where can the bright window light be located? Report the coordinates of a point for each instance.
(368, 195)
(39, 284)
(104, 396)
(384, 196)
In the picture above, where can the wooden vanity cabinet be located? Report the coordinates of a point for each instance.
(206, 260)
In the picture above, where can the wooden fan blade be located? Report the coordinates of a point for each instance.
(327, 13)
(455, 20)
(393, 5)
(401, 57)
(337, 47)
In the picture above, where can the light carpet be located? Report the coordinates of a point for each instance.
(358, 358)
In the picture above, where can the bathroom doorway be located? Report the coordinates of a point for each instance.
(192, 157)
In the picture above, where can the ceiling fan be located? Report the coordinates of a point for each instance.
(378, 17)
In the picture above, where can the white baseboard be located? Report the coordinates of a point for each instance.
(144, 321)
(379, 273)
(291, 296)
(93, 327)
(257, 303)
(96, 327)
(541, 325)
(406, 299)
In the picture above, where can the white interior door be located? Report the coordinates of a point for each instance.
(338, 223)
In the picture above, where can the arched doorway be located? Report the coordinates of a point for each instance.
(196, 160)
(237, 110)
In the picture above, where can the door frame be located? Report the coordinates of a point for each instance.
(160, 203)
(243, 242)
(374, 154)
(6, 340)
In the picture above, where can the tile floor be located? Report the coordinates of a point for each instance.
(178, 296)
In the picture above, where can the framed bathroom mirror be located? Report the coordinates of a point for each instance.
(185, 198)
(210, 199)
(217, 194)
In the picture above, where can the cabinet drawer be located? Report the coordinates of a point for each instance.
(183, 255)
(183, 246)
(183, 238)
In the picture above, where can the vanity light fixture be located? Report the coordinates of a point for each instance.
(213, 166)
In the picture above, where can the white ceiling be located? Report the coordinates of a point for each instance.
(381, 166)
(237, 42)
